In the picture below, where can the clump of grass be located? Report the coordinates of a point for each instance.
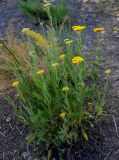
(39, 10)
(57, 86)
(58, 13)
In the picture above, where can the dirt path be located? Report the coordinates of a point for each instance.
(12, 133)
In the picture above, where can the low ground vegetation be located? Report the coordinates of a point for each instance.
(39, 10)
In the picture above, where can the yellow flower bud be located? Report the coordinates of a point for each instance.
(65, 89)
(40, 72)
(108, 71)
(15, 84)
(62, 56)
(54, 65)
(62, 115)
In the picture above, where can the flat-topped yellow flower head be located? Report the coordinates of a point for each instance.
(15, 84)
(77, 60)
(78, 28)
(54, 65)
(108, 71)
(62, 56)
(62, 115)
(40, 72)
(98, 29)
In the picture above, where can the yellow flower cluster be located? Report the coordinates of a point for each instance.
(54, 65)
(62, 56)
(40, 72)
(77, 60)
(15, 84)
(37, 36)
(98, 29)
(81, 28)
(62, 115)
(108, 71)
(78, 28)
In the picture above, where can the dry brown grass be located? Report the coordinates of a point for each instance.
(12, 51)
(15, 49)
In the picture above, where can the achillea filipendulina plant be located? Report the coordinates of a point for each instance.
(56, 89)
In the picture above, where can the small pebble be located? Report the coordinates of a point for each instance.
(8, 119)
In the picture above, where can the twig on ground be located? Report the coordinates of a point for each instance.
(20, 131)
(115, 126)
(107, 156)
(117, 152)
(3, 155)
(17, 128)
(10, 126)
(2, 134)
